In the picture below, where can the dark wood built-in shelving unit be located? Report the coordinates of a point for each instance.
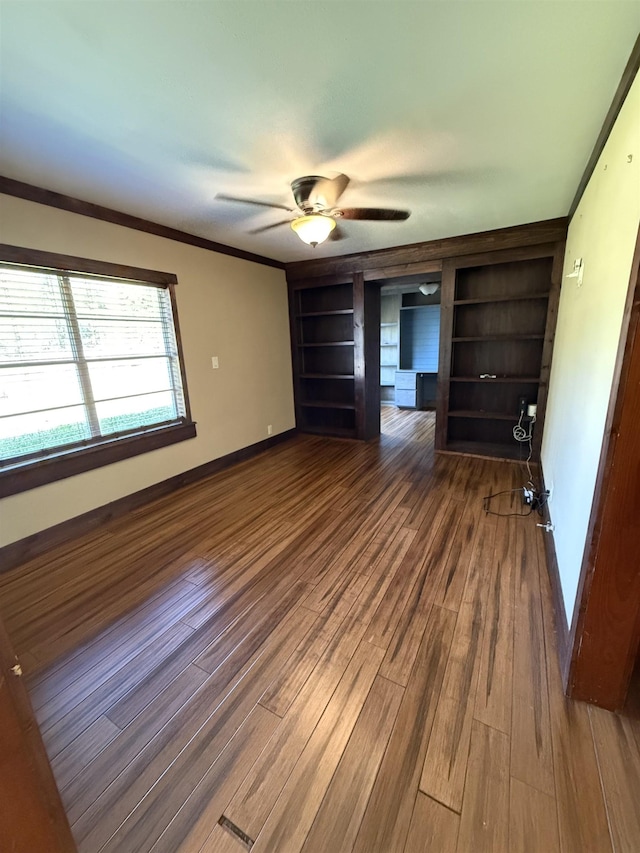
(499, 302)
(498, 322)
(330, 328)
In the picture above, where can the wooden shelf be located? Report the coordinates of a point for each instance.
(484, 299)
(505, 338)
(327, 376)
(324, 404)
(336, 432)
(494, 416)
(485, 449)
(329, 344)
(532, 380)
(325, 313)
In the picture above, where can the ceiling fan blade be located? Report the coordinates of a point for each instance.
(329, 190)
(374, 213)
(223, 197)
(269, 227)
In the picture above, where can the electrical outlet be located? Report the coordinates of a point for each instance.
(269, 429)
(214, 362)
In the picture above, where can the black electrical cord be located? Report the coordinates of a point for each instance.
(541, 502)
(540, 498)
(487, 498)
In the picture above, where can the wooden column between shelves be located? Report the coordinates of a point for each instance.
(372, 359)
(447, 292)
(359, 363)
(549, 337)
(366, 357)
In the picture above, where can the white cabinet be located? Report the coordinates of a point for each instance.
(406, 383)
(406, 398)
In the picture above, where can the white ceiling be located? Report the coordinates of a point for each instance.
(473, 115)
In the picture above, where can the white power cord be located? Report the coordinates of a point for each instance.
(521, 434)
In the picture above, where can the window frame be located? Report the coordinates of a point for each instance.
(68, 460)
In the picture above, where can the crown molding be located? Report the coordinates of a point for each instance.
(20, 189)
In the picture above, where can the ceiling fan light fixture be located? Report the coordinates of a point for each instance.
(313, 228)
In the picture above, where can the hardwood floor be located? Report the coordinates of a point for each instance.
(327, 648)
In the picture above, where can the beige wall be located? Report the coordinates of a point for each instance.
(603, 233)
(227, 307)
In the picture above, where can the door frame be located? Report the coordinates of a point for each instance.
(33, 817)
(605, 630)
(432, 270)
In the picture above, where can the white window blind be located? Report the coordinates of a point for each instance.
(82, 359)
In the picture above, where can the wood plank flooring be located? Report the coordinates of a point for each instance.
(327, 649)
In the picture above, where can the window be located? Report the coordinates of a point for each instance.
(88, 361)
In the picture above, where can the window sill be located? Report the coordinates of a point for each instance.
(28, 475)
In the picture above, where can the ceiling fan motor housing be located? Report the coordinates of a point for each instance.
(302, 189)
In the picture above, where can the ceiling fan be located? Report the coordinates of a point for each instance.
(316, 212)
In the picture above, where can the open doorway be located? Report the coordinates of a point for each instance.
(409, 341)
